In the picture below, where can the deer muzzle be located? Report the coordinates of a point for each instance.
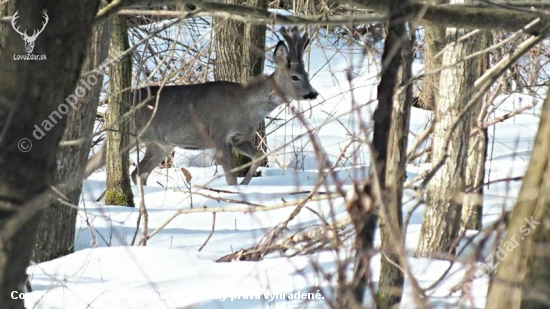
(311, 96)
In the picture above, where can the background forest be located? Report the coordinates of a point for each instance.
(418, 177)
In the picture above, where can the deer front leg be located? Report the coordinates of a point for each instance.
(223, 155)
(253, 168)
(154, 154)
(248, 149)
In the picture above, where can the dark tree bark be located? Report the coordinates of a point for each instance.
(521, 279)
(30, 91)
(396, 48)
(119, 190)
(57, 226)
(240, 52)
(390, 287)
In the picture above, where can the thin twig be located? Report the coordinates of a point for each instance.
(211, 231)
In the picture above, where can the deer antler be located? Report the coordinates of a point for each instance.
(296, 44)
(34, 35)
(15, 16)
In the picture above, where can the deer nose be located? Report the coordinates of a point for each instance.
(311, 96)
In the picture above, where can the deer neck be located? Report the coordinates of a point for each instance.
(263, 97)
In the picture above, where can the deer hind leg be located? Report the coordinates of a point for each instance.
(248, 149)
(154, 154)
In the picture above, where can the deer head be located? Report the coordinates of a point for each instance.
(29, 40)
(291, 75)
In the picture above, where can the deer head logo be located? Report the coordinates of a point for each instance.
(29, 40)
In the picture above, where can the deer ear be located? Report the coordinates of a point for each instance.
(281, 55)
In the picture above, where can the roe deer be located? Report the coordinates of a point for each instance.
(221, 115)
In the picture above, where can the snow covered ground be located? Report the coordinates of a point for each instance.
(106, 272)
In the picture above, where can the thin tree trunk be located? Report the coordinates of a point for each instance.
(393, 71)
(442, 212)
(521, 279)
(472, 208)
(57, 226)
(390, 287)
(119, 191)
(240, 52)
(30, 92)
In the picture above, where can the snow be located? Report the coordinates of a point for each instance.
(105, 271)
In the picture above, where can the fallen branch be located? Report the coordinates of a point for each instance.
(228, 200)
(312, 240)
(243, 210)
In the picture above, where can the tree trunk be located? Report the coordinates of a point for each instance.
(390, 287)
(119, 191)
(442, 212)
(57, 226)
(240, 52)
(523, 275)
(472, 208)
(537, 278)
(434, 41)
(6, 9)
(31, 94)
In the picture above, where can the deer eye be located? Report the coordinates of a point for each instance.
(295, 77)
